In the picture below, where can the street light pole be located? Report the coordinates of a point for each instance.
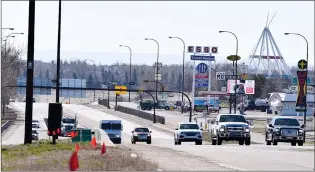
(156, 78)
(235, 67)
(94, 76)
(130, 54)
(304, 119)
(183, 88)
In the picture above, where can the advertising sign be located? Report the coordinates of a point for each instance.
(301, 98)
(248, 87)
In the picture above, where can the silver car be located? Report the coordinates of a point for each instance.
(35, 135)
(35, 124)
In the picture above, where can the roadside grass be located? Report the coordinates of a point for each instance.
(206, 137)
(44, 156)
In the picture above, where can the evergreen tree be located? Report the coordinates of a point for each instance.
(103, 74)
(172, 81)
(90, 82)
(47, 74)
(126, 77)
(135, 77)
(142, 72)
(74, 75)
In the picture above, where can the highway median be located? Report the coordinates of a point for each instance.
(44, 156)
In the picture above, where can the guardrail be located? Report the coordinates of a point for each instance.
(135, 112)
(5, 126)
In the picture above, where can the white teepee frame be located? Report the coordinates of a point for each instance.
(267, 59)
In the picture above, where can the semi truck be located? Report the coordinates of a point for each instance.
(67, 124)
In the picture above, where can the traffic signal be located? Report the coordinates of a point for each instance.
(54, 119)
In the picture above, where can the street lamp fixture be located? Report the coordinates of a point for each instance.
(304, 118)
(130, 54)
(8, 28)
(183, 79)
(234, 73)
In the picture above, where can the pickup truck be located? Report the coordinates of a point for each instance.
(188, 132)
(230, 127)
(148, 105)
(284, 129)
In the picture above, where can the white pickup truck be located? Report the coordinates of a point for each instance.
(188, 132)
(230, 127)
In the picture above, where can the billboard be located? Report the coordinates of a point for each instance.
(248, 87)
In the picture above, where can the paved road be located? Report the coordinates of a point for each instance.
(224, 157)
(15, 133)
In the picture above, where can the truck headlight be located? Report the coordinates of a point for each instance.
(276, 130)
(222, 128)
(117, 135)
(246, 129)
(301, 132)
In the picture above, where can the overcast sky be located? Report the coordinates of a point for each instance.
(102, 26)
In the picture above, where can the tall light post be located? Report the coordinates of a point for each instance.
(58, 53)
(235, 74)
(9, 36)
(130, 54)
(157, 71)
(183, 88)
(94, 75)
(304, 119)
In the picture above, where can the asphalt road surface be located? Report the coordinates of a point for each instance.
(215, 157)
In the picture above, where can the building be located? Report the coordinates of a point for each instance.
(285, 104)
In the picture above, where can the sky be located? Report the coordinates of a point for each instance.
(94, 30)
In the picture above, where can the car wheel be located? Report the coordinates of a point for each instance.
(198, 142)
(293, 143)
(268, 142)
(149, 142)
(214, 142)
(274, 142)
(179, 142)
(241, 142)
(175, 142)
(247, 142)
(219, 141)
(167, 108)
(300, 143)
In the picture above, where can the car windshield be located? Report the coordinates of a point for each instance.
(232, 118)
(189, 126)
(287, 121)
(69, 121)
(141, 130)
(110, 126)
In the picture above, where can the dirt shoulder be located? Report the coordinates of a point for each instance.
(47, 157)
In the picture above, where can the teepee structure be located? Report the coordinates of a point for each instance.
(266, 59)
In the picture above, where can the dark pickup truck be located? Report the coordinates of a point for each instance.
(148, 105)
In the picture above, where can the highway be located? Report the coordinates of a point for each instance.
(187, 156)
(224, 157)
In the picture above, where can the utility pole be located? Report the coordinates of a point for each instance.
(30, 74)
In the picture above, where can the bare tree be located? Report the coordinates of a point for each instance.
(11, 68)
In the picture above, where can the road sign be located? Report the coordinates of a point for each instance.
(201, 84)
(201, 76)
(214, 50)
(122, 89)
(231, 77)
(206, 49)
(220, 75)
(201, 80)
(190, 49)
(202, 68)
(244, 76)
(198, 49)
(302, 64)
(205, 58)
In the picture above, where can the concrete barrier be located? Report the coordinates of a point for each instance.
(135, 112)
(5, 126)
(102, 137)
